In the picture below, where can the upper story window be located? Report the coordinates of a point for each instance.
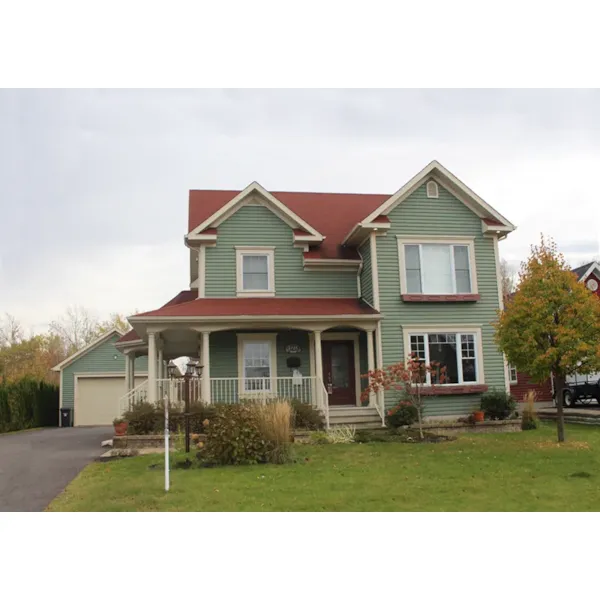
(255, 271)
(432, 190)
(437, 267)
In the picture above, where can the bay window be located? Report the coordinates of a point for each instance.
(457, 352)
(432, 267)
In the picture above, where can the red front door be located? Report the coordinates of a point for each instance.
(338, 371)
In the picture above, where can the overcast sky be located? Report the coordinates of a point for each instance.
(94, 184)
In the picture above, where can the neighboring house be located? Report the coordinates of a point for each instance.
(92, 380)
(520, 383)
(296, 294)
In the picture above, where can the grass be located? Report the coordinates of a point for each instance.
(525, 471)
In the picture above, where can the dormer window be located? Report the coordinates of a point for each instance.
(255, 271)
(432, 190)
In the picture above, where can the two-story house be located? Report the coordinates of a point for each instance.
(298, 294)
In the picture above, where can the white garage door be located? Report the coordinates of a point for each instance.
(97, 399)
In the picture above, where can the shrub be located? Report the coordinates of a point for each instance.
(319, 438)
(234, 437)
(529, 418)
(342, 434)
(274, 421)
(402, 414)
(27, 403)
(498, 404)
(306, 416)
(144, 419)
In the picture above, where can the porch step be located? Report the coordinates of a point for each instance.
(359, 416)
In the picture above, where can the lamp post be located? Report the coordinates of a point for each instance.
(171, 370)
(192, 371)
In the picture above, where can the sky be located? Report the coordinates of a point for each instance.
(94, 183)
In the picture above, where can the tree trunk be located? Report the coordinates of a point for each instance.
(560, 417)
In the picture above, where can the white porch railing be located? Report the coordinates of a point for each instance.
(231, 390)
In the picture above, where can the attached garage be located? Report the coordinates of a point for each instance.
(92, 381)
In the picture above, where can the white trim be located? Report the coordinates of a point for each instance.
(349, 336)
(455, 329)
(501, 307)
(374, 270)
(468, 241)
(232, 206)
(593, 267)
(434, 168)
(93, 344)
(202, 271)
(269, 338)
(253, 318)
(240, 252)
(435, 190)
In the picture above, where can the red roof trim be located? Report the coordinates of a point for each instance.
(272, 307)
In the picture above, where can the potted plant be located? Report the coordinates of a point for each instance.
(478, 416)
(120, 426)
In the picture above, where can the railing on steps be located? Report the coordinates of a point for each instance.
(135, 396)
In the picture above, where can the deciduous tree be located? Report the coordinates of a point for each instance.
(551, 324)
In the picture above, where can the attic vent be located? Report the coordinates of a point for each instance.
(432, 190)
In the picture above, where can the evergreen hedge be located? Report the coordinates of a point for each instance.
(28, 403)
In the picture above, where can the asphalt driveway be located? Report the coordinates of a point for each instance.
(35, 466)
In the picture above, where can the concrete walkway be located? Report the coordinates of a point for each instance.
(35, 466)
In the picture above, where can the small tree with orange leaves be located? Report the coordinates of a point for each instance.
(408, 380)
(551, 324)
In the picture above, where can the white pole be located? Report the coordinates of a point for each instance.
(166, 401)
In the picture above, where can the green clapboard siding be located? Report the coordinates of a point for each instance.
(366, 276)
(446, 215)
(99, 360)
(259, 226)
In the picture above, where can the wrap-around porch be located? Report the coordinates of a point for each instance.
(315, 363)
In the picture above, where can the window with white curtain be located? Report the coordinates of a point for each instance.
(457, 352)
(437, 268)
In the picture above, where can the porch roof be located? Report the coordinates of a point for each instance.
(265, 307)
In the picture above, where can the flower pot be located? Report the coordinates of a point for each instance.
(479, 416)
(121, 428)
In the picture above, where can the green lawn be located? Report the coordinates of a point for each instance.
(502, 472)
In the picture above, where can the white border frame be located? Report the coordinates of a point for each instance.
(269, 338)
(468, 241)
(510, 378)
(240, 252)
(347, 336)
(455, 329)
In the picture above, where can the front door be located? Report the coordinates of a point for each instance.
(338, 371)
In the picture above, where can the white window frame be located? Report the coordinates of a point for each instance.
(269, 252)
(455, 330)
(266, 338)
(510, 374)
(467, 241)
(435, 190)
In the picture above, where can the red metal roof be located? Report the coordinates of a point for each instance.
(225, 307)
(332, 215)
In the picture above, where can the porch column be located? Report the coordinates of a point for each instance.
(206, 367)
(127, 374)
(370, 363)
(379, 361)
(131, 362)
(152, 364)
(318, 355)
(161, 364)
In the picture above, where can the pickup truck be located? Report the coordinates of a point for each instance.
(582, 389)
